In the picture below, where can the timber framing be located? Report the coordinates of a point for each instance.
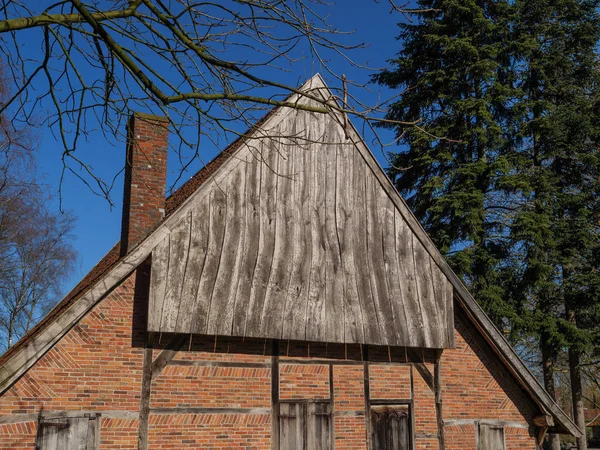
(36, 345)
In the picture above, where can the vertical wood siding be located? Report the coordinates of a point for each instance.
(299, 240)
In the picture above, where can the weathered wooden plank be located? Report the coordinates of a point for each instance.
(51, 433)
(250, 242)
(407, 278)
(392, 271)
(178, 258)
(271, 325)
(216, 230)
(166, 355)
(346, 231)
(426, 295)
(190, 305)
(220, 320)
(275, 395)
(318, 426)
(207, 410)
(440, 289)
(449, 313)
(158, 283)
(334, 283)
(197, 363)
(371, 327)
(374, 204)
(294, 323)
(437, 379)
(266, 244)
(291, 426)
(490, 437)
(315, 312)
(93, 435)
(144, 417)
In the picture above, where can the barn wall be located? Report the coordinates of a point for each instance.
(477, 386)
(97, 366)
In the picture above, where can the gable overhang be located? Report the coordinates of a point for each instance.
(32, 347)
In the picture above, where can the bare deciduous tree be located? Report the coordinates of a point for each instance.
(36, 254)
(211, 67)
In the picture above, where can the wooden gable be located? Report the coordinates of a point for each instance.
(296, 238)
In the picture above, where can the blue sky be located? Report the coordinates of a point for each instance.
(98, 224)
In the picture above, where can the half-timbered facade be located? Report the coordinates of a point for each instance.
(283, 298)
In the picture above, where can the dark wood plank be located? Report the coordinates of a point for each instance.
(207, 410)
(275, 411)
(166, 355)
(437, 378)
(144, 418)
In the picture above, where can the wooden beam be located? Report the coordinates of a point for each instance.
(145, 400)
(367, 393)
(167, 355)
(275, 395)
(543, 420)
(437, 381)
(240, 364)
(200, 410)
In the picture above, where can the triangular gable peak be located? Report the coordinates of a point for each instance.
(113, 271)
(297, 238)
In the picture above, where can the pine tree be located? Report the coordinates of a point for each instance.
(505, 169)
(452, 69)
(557, 175)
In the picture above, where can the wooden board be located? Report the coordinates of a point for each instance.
(299, 240)
(73, 433)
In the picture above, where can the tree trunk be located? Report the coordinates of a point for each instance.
(548, 358)
(577, 394)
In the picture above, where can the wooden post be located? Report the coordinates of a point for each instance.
(437, 377)
(145, 399)
(275, 395)
(367, 390)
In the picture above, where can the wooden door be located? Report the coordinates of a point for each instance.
(317, 426)
(291, 426)
(69, 433)
(304, 425)
(491, 437)
(390, 428)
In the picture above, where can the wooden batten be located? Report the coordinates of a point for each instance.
(297, 239)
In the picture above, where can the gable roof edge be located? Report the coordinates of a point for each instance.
(476, 314)
(32, 351)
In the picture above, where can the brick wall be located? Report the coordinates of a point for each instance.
(97, 367)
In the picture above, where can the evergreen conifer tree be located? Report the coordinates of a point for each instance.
(504, 171)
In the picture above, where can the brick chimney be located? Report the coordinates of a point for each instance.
(145, 177)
